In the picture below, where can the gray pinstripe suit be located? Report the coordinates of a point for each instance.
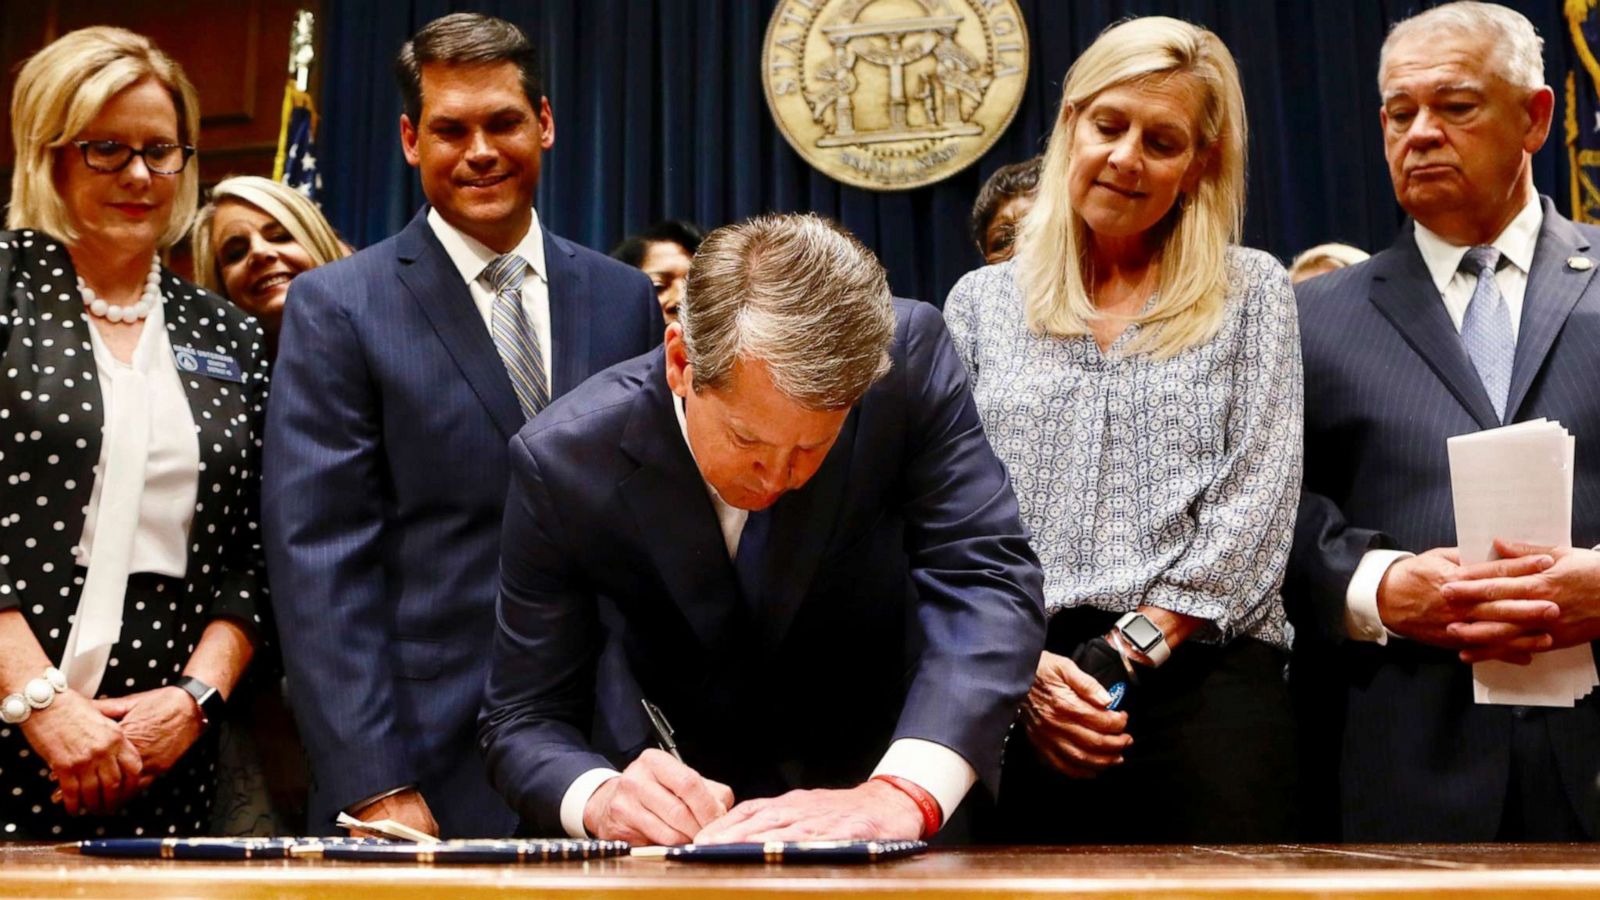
(1387, 382)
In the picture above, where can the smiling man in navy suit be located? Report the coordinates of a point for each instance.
(1484, 312)
(403, 372)
(811, 555)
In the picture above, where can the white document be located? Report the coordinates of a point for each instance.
(1516, 483)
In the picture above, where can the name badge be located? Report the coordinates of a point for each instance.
(211, 365)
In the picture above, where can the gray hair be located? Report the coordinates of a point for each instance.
(798, 293)
(1516, 48)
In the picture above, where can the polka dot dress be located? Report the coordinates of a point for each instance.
(51, 418)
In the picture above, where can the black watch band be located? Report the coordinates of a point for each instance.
(212, 706)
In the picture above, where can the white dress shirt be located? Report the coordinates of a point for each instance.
(934, 767)
(471, 258)
(172, 468)
(1516, 245)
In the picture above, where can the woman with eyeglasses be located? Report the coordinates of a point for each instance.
(131, 592)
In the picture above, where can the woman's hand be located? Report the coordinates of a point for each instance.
(162, 725)
(1068, 722)
(96, 765)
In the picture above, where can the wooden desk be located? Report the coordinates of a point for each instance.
(1561, 870)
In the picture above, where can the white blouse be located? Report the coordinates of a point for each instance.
(172, 469)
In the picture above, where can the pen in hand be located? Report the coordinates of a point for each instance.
(663, 729)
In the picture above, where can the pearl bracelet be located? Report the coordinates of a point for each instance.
(36, 694)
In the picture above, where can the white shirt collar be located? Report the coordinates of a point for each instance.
(1515, 243)
(683, 428)
(471, 257)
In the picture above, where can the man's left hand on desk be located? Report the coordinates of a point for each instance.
(871, 811)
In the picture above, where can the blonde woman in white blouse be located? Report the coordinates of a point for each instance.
(1140, 377)
(129, 405)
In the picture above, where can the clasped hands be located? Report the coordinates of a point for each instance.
(102, 753)
(659, 800)
(1530, 600)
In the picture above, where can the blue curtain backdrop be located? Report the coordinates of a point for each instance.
(660, 114)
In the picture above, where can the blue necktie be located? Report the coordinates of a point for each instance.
(1486, 328)
(749, 562)
(513, 336)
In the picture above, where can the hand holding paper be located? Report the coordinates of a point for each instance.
(1515, 484)
(1572, 583)
(406, 808)
(1412, 603)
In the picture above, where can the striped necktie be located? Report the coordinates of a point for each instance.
(514, 337)
(1486, 328)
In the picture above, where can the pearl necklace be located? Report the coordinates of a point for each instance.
(112, 312)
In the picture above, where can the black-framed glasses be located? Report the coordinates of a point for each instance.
(114, 156)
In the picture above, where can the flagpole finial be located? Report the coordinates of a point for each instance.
(302, 47)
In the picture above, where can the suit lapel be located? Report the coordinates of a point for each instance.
(1553, 290)
(569, 315)
(1404, 293)
(667, 494)
(436, 287)
(802, 522)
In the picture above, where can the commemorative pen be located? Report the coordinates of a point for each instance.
(663, 729)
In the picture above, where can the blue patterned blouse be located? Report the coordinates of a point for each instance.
(1167, 482)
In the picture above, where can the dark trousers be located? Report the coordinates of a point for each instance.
(1212, 759)
(1537, 806)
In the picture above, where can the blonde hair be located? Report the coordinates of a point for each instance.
(1325, 258)
(59, 92)
(1053, 265)
(298, 216)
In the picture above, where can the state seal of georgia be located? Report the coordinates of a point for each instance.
(894, 94)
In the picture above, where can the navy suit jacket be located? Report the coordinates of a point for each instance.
(901, 597)
(1387, 382)
(385, 479)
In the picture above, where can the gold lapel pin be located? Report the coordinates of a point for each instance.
(1580, 263)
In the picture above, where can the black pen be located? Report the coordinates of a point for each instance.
(662, 727)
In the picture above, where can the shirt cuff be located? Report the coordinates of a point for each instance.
(935, 768)
(1361, 620)
(577, 797)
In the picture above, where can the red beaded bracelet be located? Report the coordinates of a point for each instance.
(932, 816)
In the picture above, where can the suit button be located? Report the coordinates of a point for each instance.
(1520, 712)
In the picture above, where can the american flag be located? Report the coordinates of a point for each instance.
(296, 164)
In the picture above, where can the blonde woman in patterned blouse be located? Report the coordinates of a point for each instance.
(1140, 377)
(130, 404)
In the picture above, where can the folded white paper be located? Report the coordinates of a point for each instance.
(1516, 483)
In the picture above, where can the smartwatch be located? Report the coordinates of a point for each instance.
(212, 706)
(1144, 636)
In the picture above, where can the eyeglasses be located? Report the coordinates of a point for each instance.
(114, 156)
